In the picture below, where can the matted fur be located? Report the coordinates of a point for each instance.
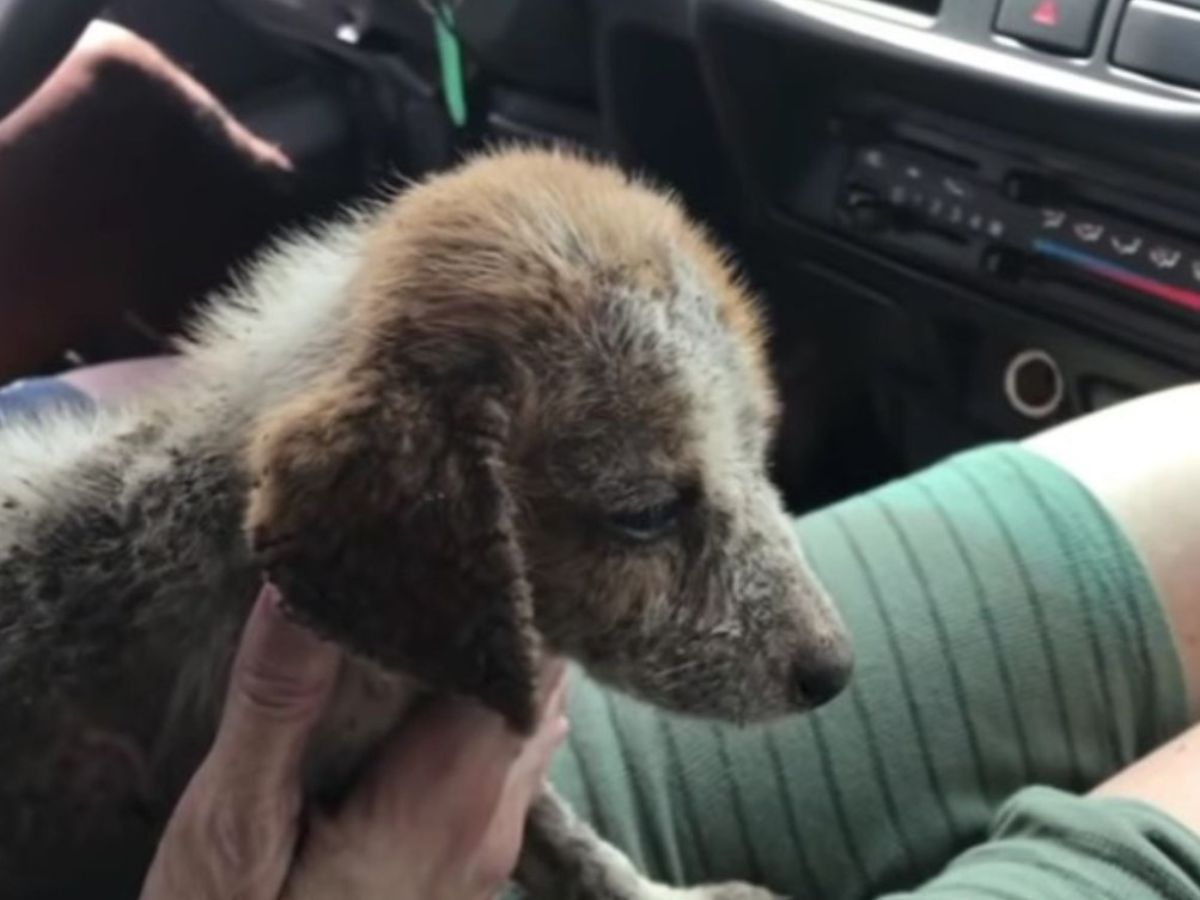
(441, 426)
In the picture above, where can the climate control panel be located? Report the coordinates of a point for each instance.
(1016, 226)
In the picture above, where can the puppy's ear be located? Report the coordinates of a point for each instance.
(381, 509)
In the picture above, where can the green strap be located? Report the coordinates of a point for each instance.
(450, 59)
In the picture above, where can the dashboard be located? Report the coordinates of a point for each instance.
(970, 219)
(997, 197)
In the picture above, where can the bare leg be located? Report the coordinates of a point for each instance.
(1141, 460)
(1165, 779)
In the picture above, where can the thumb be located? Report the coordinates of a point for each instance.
(282, 677)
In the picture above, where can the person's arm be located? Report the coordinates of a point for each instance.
(124, 185)
(1168, 780)
(438, 817)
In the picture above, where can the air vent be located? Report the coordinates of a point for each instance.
(924, 8)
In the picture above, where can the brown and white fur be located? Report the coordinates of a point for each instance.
(520, 409)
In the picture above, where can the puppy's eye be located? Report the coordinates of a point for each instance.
(648, 523)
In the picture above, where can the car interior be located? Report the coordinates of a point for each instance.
(969, 220)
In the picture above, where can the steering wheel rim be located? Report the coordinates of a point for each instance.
(35, 36)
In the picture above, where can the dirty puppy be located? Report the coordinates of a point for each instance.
(520, 409)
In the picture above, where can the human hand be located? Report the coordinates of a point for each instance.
(439, 815)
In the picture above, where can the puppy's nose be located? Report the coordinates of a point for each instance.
(817, 684)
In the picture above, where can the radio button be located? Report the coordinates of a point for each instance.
(865, 211)
(1053, 219)
(1160, 39)
(956, 187)
(874, 158)
(1126, 246)
(1165, 257)
(1027, 188)
(1007, 265)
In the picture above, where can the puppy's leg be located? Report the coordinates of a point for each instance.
(564, 859)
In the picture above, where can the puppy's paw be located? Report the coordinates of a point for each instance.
(734, 891)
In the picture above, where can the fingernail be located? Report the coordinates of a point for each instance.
(285, 629)
(275, 646)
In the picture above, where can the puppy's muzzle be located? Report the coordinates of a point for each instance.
(814, 682)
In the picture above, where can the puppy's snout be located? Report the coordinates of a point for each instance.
(816, 686)
(817, 681)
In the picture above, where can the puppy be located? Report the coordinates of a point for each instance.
(521, 409)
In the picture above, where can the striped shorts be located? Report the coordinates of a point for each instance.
(1011, 654)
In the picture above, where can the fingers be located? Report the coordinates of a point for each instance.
(234, 831)
(281, 679)
(457, 741)
(449, 762)
(441, 813)
(524, 783)
(537, 754)
(529, 771)
(552, 682)
(468, 779)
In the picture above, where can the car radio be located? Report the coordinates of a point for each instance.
(1017, 227)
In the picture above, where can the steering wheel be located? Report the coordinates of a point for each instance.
(35, 35)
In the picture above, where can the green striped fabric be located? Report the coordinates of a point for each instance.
(1047, 844)
(1006, 636)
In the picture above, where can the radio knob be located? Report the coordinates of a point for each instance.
(1027, 188)
(865, 210)
(1002, 263)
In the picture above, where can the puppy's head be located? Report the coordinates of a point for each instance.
(551, 435)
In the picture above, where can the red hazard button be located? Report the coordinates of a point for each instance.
(1048, 13)
(1064, 26)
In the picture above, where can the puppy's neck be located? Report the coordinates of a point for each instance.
(286, 326)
